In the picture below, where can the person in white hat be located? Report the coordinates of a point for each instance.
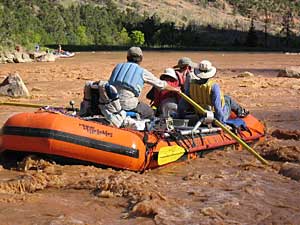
(129, 79)
(165, 102)
(207, 93)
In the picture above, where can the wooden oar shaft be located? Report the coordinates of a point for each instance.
(22, 104)
(224, 128)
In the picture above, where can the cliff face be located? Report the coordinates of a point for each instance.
(217, 13)
(220, 14)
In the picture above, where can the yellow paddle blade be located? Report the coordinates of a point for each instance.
(169, 154)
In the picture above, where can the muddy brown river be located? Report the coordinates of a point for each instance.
(223, 187)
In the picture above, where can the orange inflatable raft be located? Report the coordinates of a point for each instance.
(61, 134)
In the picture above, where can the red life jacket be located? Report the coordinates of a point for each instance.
(160, 95)
(181, 78)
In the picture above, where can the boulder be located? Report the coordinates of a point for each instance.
(48, 57)
(292, 72)
(13, 86)
(9, 57)
(291, 170)
(35, 55)
(18, 57)
(246, 74)
(26, 57)
(2, 58)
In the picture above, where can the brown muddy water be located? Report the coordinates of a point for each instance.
(224, 187)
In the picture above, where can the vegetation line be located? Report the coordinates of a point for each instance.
(95, 26)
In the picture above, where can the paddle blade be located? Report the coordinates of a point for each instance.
(169, 154)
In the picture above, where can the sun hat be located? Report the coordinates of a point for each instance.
(185, 61)
(134, 51)
(170, 72)
(205, 70)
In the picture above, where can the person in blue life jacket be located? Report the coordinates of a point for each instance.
(207, 93)
(129, 79)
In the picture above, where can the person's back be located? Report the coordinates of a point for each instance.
(207, 93)
(129, 79)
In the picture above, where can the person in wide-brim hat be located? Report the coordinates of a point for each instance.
(169, 72)
(207, 93)
(205, 70)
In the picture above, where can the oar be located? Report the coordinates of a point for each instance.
(72, 103)
(169, 154)
(22, 104)
(224, 128)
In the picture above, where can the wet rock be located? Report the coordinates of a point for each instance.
(9, 57)
(26, 57)
(46, 58)
(2, 58)
(291, 72)
(246, 74)
(13, 86)
(286, 134)
(148, 208)
(282, 153)
(291, 170)
(18, 57)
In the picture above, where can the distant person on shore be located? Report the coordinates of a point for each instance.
(60, 50)
(37, 48)
(207, 93)
(129, 79)
(18, 48)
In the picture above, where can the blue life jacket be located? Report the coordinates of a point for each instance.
(129, 76)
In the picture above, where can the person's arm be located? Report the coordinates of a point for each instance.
(216, 101)
(187, 83)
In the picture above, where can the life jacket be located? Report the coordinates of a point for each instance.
(129, 76)
(160, 95)
(181, 78)
(201, 93)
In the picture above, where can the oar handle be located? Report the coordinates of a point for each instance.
(22, 104)
(224, 128)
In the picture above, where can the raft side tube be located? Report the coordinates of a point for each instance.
(72, 137)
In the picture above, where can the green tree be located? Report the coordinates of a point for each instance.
(287, 9)
(124, 37)
(149, 27)
(252, 39)
(54, 25)
(267, 8)
(83, 37)
(137, 37)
